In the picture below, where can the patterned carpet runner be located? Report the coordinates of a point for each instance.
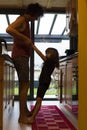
(51, 118)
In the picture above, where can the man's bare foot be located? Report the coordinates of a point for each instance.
(23, 120)
(29, 113)
(31, 120)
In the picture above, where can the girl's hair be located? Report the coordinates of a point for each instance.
(54, 55)
(35, 10)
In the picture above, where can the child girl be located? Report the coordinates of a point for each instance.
(51, 60)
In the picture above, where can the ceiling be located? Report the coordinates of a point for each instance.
(24, 3)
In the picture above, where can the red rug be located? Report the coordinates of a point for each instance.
(51, 118)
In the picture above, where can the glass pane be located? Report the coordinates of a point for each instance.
(16, 87)
(35, 29)
(59, 24)
(3, 23)
(12, 18)
(45, 23)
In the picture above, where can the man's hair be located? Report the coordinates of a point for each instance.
(54, 55)
(35, 10)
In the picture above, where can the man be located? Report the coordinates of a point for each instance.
(19, 29)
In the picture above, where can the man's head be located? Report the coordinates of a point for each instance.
(35, 10)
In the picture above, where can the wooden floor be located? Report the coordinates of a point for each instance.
(12, 122)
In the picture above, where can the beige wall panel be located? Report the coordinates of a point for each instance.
(23, 3)
(10, 3)
(57, 3)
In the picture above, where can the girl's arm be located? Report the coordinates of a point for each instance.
(38, 52)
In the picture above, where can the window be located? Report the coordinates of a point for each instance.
(50, 30)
